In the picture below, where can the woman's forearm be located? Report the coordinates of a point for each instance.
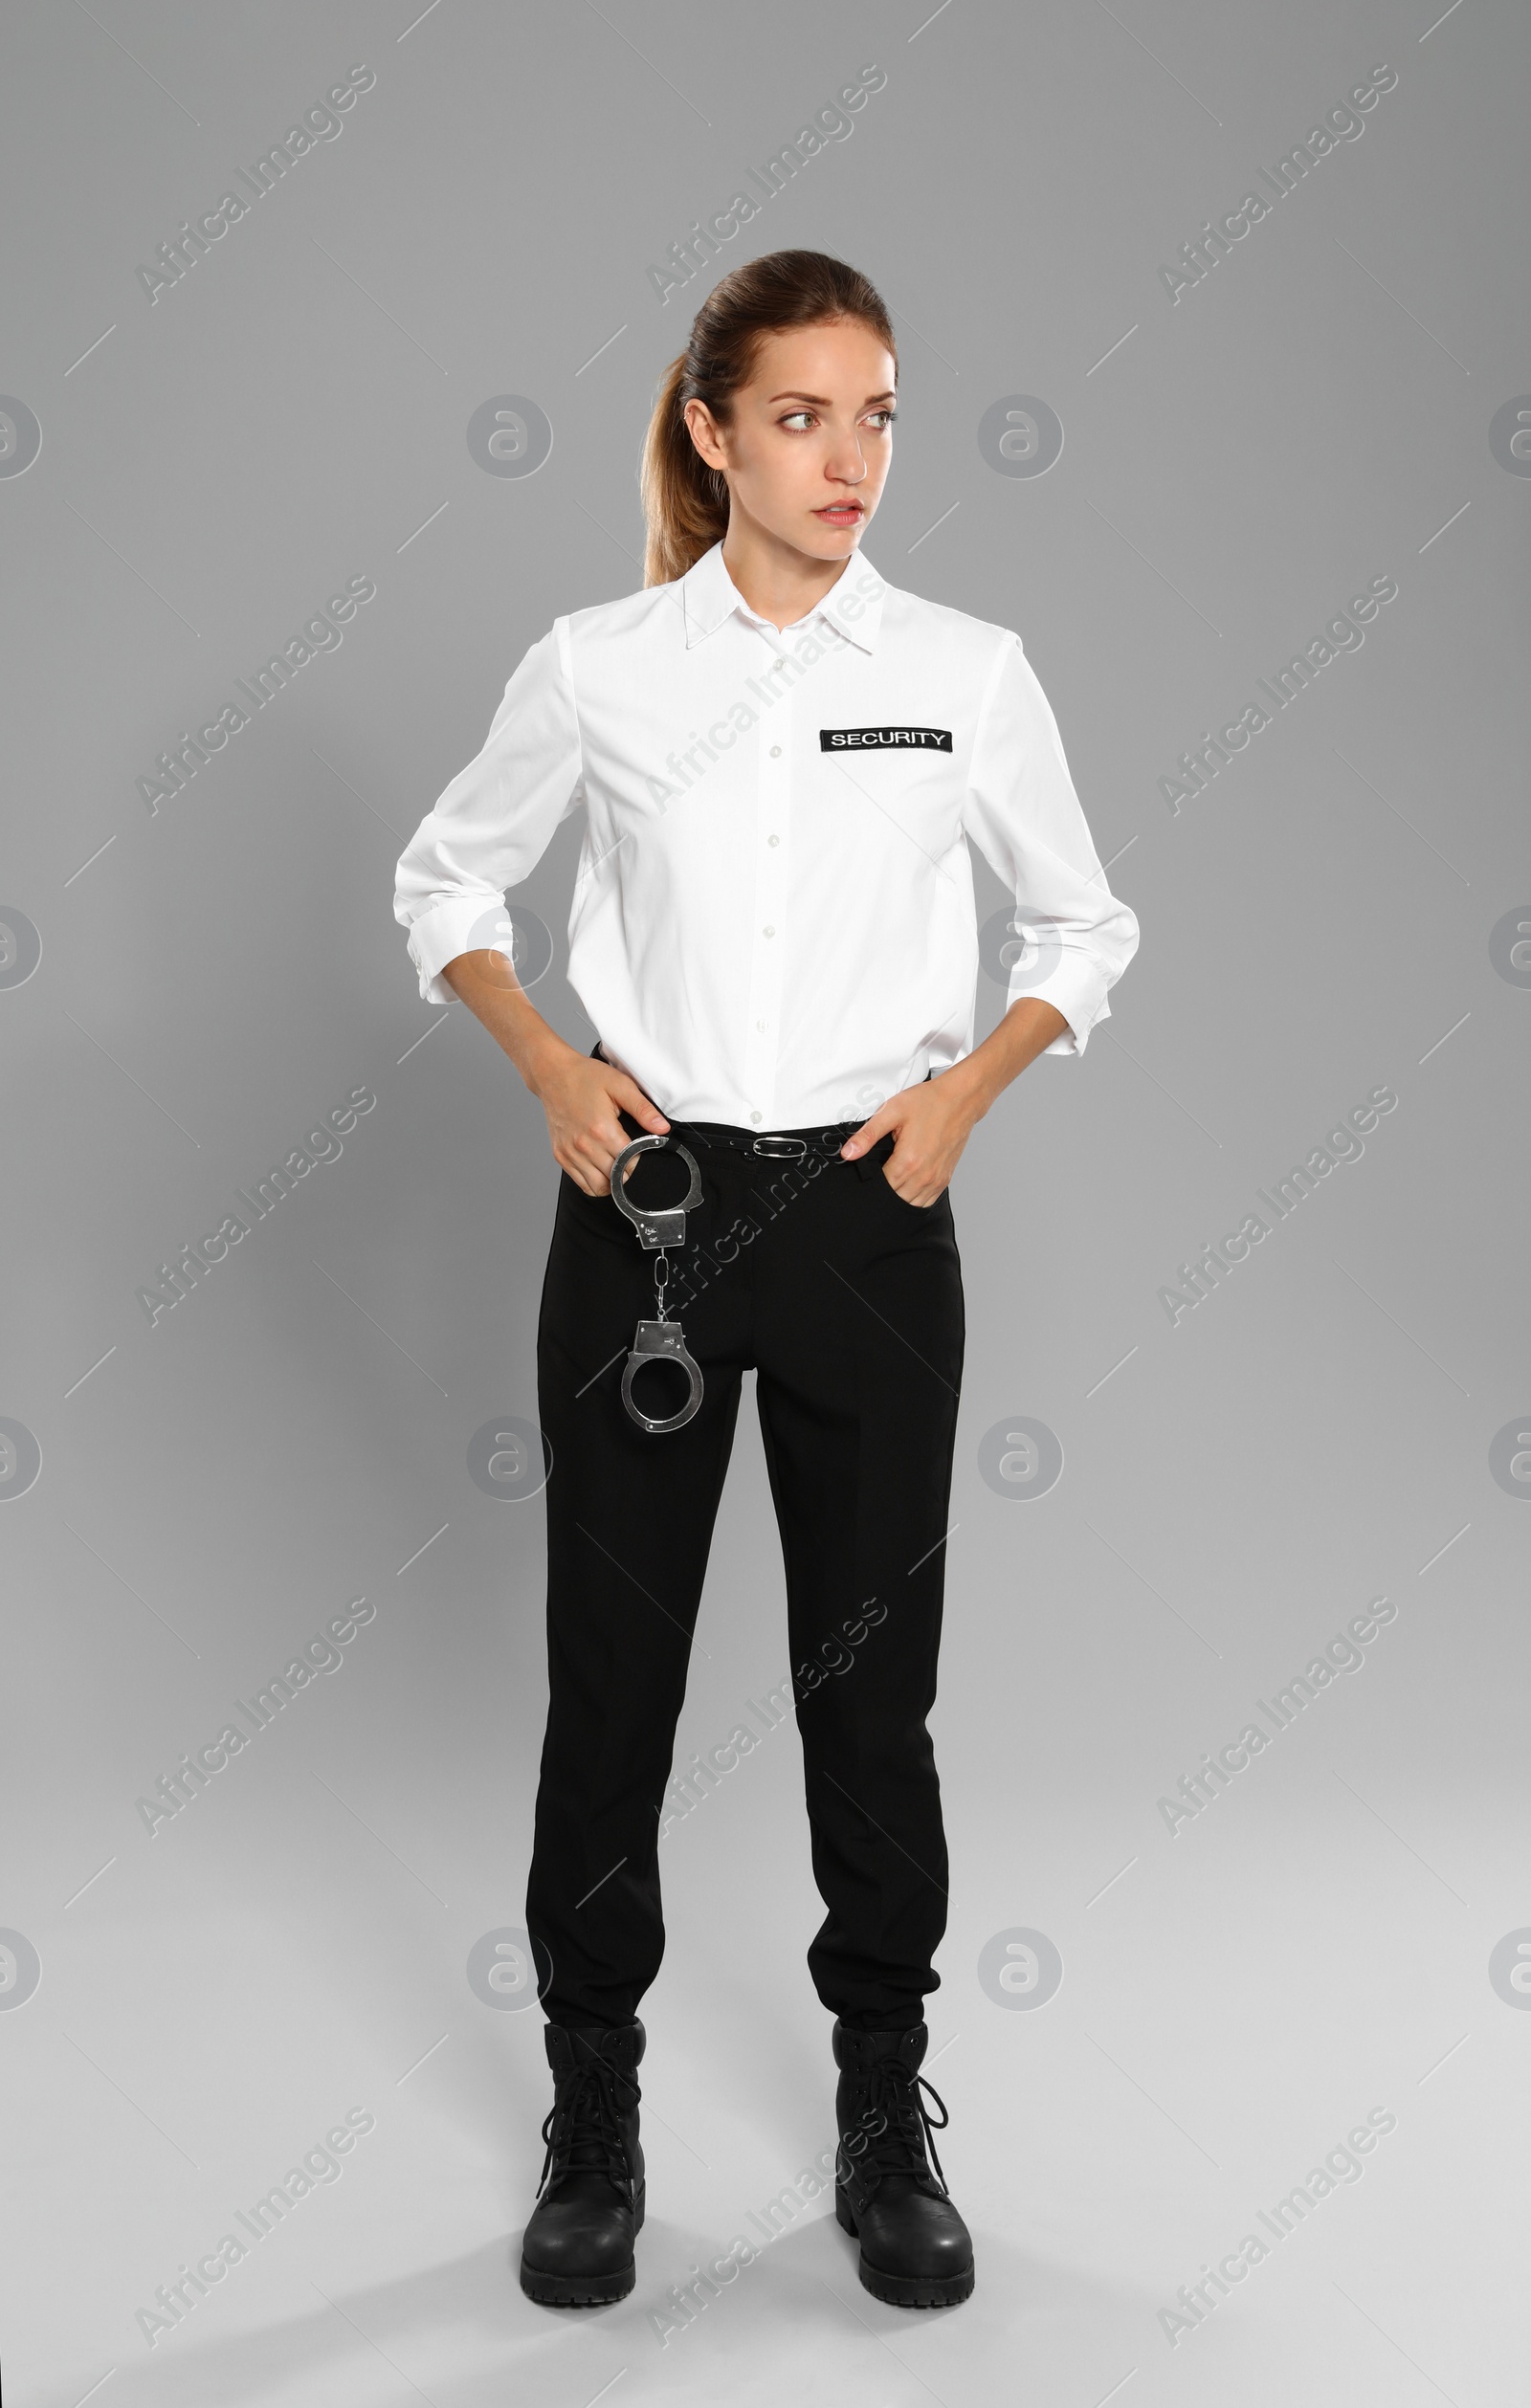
(485, 982)
(1027, 1030)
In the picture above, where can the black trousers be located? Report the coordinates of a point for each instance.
(848, 1303)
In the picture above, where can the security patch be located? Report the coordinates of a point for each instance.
(857, 739)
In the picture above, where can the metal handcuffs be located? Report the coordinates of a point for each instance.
(660, 1339)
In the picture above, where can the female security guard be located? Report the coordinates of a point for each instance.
(780, 757)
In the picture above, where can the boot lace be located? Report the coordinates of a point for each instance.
(893, 2132)
(582, 2129)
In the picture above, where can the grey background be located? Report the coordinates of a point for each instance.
(295, 1433)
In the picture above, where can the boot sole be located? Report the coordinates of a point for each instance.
(584, 2290)
(904, 2291)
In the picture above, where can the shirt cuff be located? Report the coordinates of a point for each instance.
(462, 923)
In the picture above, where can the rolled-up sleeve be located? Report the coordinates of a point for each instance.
(1074, 939)
(492, 823)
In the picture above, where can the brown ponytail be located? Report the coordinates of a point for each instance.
(685, 502)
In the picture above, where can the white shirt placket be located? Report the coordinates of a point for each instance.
(773, 790)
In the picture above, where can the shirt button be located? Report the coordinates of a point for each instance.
(770, 932)
(754, 1115)
(759, 1023)
(773, 840)
(776, 752)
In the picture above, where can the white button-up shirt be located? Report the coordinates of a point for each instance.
(774, 919)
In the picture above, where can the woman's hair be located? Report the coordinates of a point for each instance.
(685, 502)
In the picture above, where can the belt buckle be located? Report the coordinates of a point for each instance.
(788, 1149)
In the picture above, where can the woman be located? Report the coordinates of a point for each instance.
(773, 930)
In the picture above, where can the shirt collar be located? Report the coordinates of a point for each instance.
(852, 604)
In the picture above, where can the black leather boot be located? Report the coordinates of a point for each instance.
(915, 2251)
(577, 2251)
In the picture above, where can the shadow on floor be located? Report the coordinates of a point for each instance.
(457, 2331)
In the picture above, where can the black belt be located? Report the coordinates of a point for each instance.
(777, 1144)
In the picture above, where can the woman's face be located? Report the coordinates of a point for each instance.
(809, 445)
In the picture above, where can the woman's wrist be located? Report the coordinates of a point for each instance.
(971, 1084)
(535, 1048)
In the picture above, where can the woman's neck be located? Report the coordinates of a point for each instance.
(779, 583)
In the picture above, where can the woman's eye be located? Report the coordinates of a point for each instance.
(797, 417)
(886, 416)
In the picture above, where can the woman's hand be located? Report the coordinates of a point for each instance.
(935, 1120)
(580, 1095)
(933, 1123)
(579, 1092)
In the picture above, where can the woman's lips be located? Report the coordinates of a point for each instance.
(840, 512)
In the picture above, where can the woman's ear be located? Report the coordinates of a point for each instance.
(704, 434)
